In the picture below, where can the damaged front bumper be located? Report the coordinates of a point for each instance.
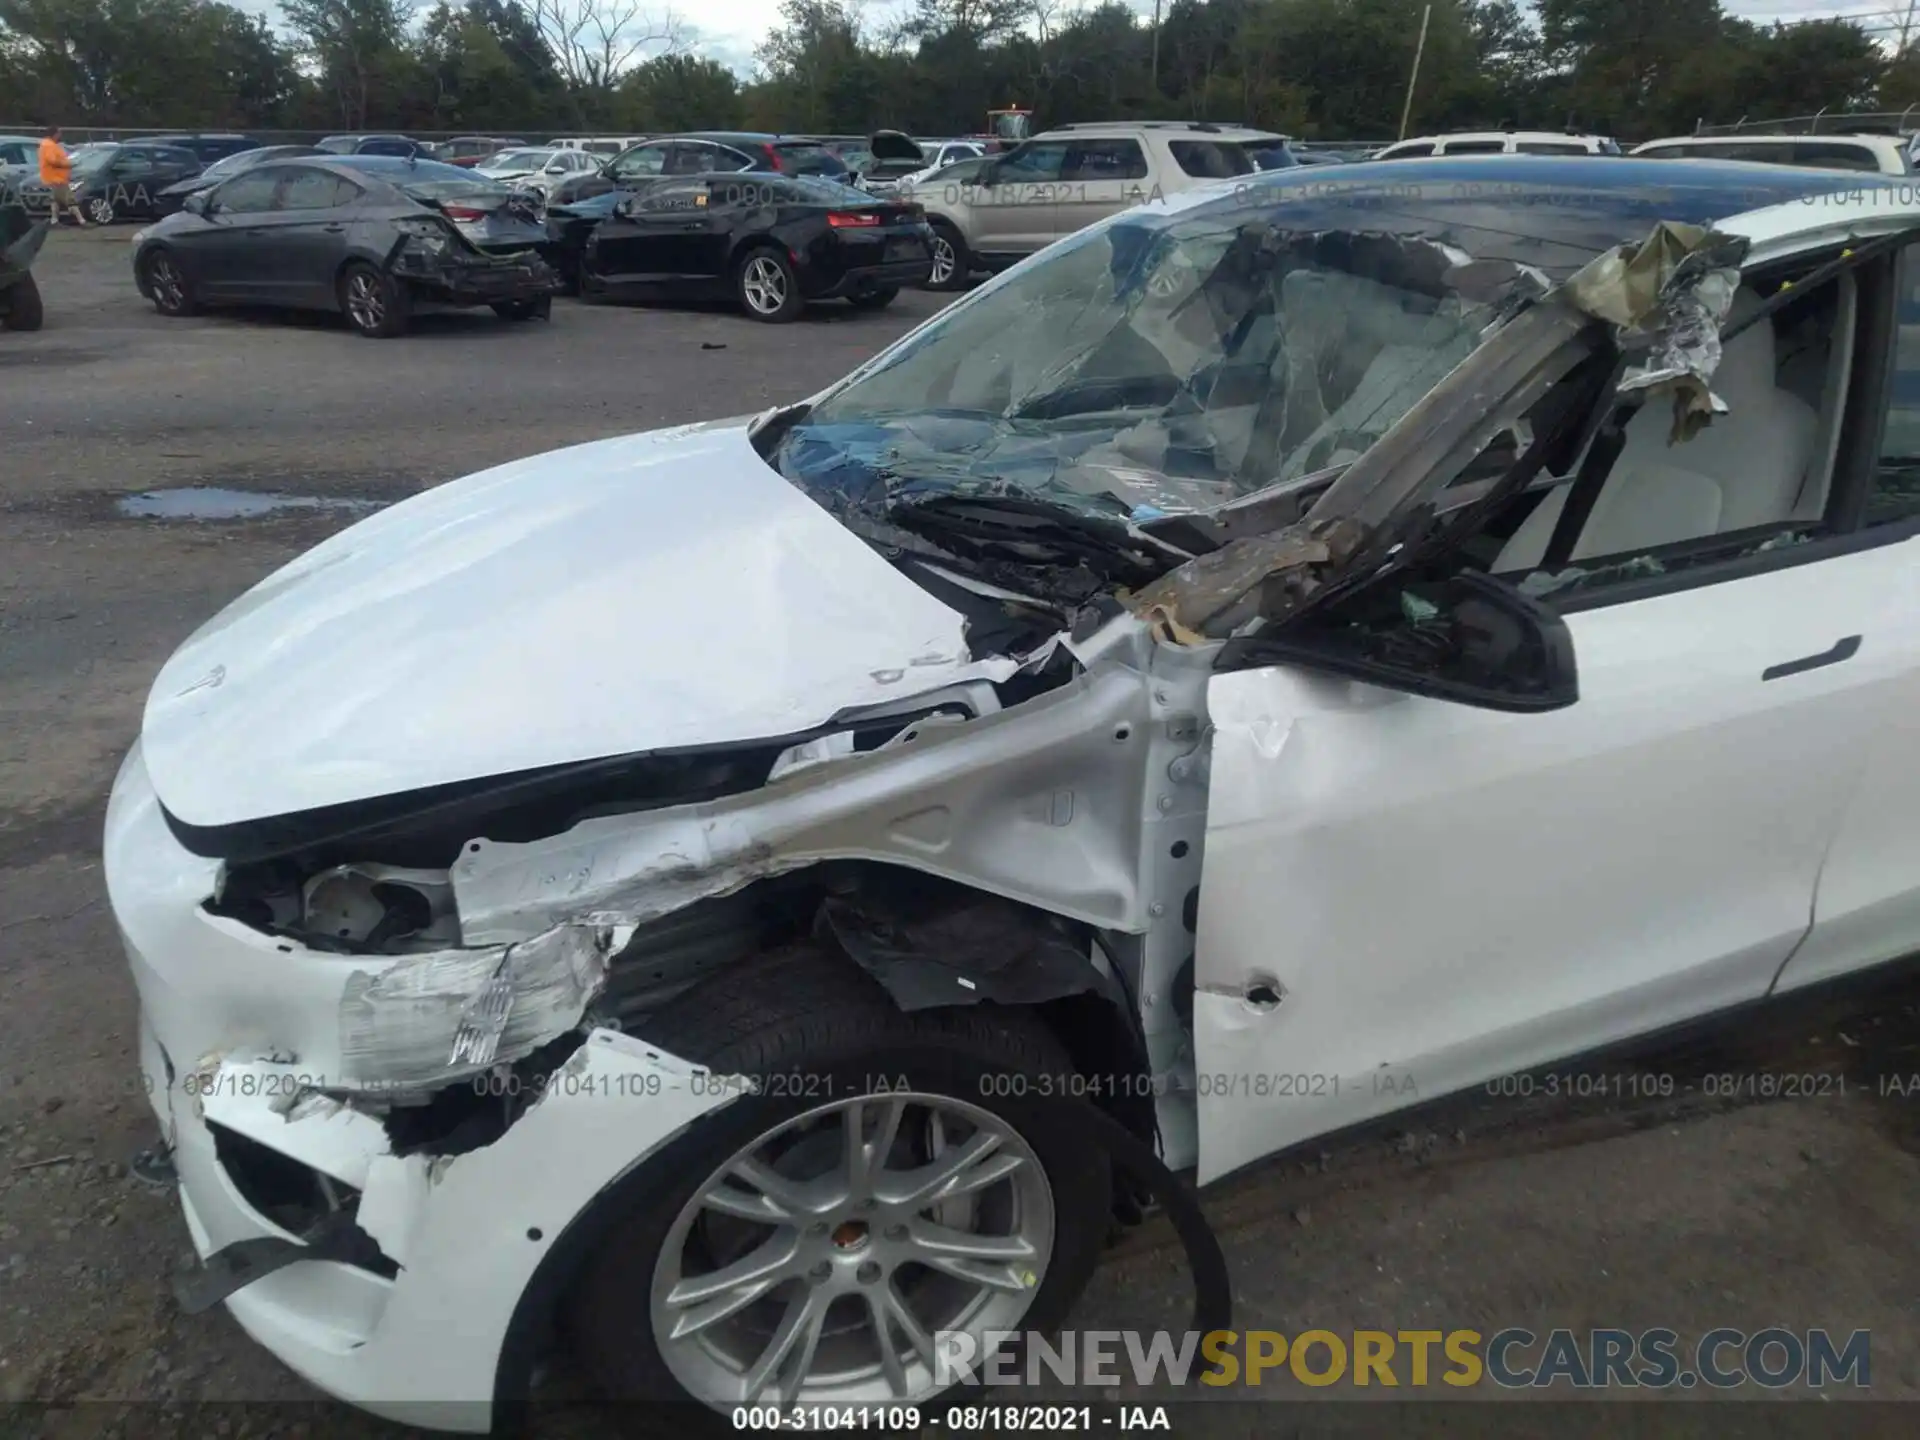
(240, 1034)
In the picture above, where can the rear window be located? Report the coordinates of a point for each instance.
(467, 187)
(410, 174)
(805, 157)
(1831, 156)
(1210, 159)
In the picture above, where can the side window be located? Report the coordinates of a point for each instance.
(1550, 147)
(1475, 147)
(1830, 156)
(1105, 160)
(640, 162)
(249, 194)
(690, 157)
(1209, 160)
(1642, 506)
(1037, 161)
(1896, 483)
(309, 189)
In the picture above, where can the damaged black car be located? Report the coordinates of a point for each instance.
(372, 237)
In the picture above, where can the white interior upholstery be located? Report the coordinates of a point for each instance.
(1746, 468)
(1812, 503)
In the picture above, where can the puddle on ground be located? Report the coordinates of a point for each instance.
(205, 502)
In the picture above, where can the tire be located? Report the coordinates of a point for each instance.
(167, 285)
(766, 287)
(874, 299)
(952, 260)
(376, 305)
(99, 210)
(541, 309)
(20, 307)
(822, 1026)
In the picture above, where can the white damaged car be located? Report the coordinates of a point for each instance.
(1276, 657)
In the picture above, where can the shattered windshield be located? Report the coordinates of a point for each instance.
(1160, 366)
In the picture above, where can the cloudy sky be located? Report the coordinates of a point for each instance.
(728, 30)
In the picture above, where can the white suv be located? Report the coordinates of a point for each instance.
(1880, 154)
(1498, 142)
(1066, 179)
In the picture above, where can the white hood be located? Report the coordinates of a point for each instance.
(644, 593)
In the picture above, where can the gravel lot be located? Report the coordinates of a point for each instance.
(1693, 1214)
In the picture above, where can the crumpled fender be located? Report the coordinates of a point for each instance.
(469, 1232)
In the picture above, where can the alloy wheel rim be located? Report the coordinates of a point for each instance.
(167, 285)
(364, 302)
(817, 1264)
(766, 287)
(943, 260)
(101, 210)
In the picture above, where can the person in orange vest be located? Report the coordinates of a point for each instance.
(56, 173)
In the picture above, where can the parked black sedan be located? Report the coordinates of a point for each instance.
(773, 242)
(371, 236)
(166, 201)
(120, 182)
(209, 147)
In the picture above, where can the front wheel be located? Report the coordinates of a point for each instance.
(377, 305)
(892, 1177)
(167, 285)
(873, 299)
(952, 261)
(541, 309)
(20, 307)
(768, 288)
(100, 210)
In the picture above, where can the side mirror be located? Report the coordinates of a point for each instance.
(1466, 638)
(198, 203)
(987, 174)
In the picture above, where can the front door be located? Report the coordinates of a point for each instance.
(1405, 896)
(1100, 178)
(1014, 214)
(221, 257)
(660, 235)
(1422, 896)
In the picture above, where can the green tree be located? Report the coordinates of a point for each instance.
(680, 92)
(359, 49)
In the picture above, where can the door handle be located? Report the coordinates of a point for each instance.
(334, 229)
(1842, 650)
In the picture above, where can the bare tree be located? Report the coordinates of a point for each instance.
(594, 42)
